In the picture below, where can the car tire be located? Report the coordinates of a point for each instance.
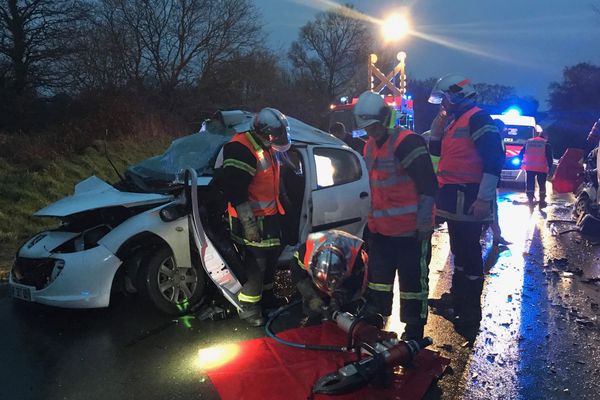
(582, 206)
(172, 290)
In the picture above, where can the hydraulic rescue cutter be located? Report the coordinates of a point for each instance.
(379, 352)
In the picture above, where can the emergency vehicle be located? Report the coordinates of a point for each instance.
(518, 129)
(402, 113)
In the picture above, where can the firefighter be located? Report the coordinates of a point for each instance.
(250, 180)
(339, 131)
(330, 272)
(537, 161)
(471, 157)
(403, 188)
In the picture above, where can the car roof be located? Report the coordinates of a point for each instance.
(300, 132)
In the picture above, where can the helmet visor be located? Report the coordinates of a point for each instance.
(328, 270)
(436, 97)
(280, 139)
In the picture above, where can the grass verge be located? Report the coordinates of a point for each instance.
(24, 191)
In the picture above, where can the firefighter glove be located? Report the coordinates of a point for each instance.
(481, 209)
(438, 125)
(248, 221)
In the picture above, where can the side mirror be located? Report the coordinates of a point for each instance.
(172, 212)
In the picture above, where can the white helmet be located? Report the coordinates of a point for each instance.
(272, 127)
(370, 109)
(455, 88)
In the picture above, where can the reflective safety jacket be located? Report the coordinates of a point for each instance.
(460, 162)
(534, 158)
(394, 194)
(263, 192)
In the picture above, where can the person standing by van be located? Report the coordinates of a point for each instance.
(537, 161)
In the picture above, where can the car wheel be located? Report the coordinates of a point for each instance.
(171, 289)
(582, 206)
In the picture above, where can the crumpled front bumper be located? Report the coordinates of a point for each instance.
(84, 282)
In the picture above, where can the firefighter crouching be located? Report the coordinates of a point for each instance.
(249, 180)
(537, 161)
(403, 187)
(471, 157)
(330, 272)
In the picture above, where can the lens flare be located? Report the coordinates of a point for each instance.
(395, 27)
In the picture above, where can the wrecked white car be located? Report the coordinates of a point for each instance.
(151, 234)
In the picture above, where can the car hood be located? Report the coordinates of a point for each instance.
(93, 193)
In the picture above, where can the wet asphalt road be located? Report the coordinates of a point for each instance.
(539, 338)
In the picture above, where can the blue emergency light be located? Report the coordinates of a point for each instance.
(516, 161)
(513, 110)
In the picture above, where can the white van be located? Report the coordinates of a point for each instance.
(518, 129)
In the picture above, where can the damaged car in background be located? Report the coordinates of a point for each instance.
(142, 236)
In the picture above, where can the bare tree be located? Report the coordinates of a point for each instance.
(175, 41)
(35, 35)
(494, 94)
(330, 49)
(111, 54)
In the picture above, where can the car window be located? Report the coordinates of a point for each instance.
(336, 167)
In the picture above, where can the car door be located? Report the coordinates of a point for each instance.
(340, 194)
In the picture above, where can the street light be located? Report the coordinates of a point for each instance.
(395, 27)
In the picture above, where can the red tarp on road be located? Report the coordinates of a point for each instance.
(267, 370)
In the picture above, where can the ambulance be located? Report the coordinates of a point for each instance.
(518, 129)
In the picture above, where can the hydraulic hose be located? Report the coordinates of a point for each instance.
(273, 316)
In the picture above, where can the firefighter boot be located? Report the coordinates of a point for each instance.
(447, 305)
(379, 302)
(413, 332)
(469, 313)
(252, 314)
(542, 203)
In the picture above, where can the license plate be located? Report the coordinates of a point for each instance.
(21, 292)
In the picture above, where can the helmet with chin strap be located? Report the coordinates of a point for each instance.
(455, 88)
(273, 128)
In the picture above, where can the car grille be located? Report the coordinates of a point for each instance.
(33, 271)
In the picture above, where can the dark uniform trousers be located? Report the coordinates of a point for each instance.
(410, 258)
(467, 279)
(260, 258)
(541, 177)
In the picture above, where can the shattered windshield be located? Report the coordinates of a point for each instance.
(198, 151)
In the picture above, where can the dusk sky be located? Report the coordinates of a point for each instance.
(520, 43)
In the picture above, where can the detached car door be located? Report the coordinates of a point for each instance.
(340, 196)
